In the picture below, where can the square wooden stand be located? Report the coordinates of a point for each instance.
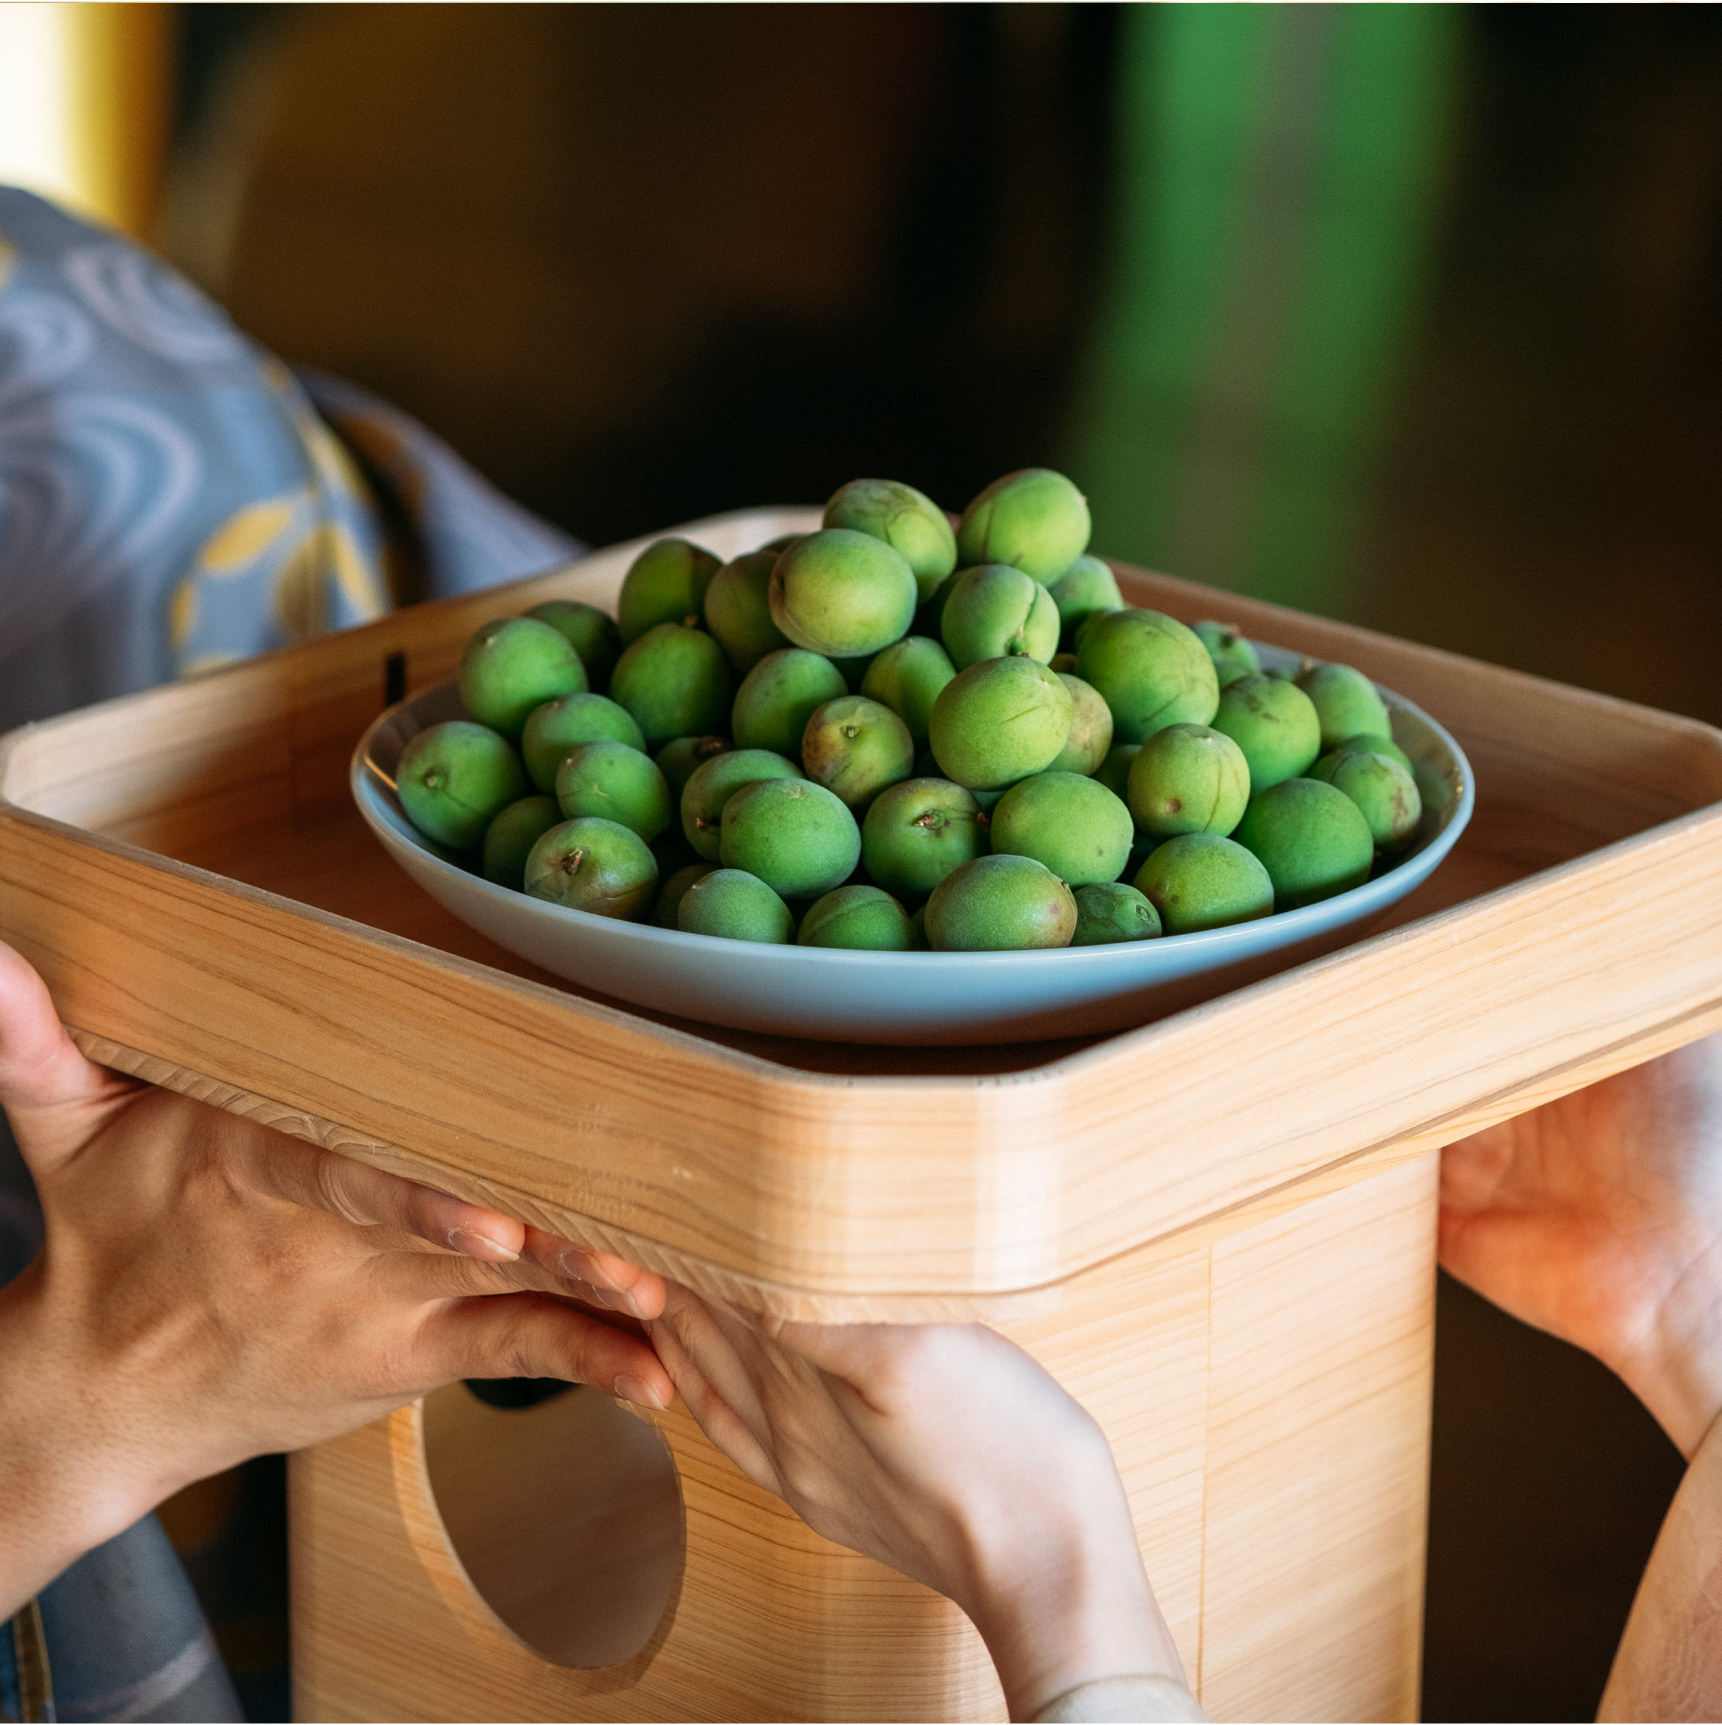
(1217, 1230)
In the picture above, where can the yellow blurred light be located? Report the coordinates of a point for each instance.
(83, 104)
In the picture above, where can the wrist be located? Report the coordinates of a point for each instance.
(1061, 1598)
(62, 1492)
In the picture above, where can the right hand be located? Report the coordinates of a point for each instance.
(946, 1452)
(1598, 1218)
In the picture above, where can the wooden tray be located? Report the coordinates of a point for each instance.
(1217, 1230)
(185, 869)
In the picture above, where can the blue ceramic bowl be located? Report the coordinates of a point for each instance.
(906, 998)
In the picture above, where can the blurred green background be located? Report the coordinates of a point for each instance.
(1405, 314)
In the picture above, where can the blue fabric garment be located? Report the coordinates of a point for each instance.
(173, 498)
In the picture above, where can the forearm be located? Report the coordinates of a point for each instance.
(57, 1497)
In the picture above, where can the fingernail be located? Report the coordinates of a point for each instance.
(480, 1246)
(640, 1393)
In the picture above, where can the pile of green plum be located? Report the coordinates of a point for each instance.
(892, 734)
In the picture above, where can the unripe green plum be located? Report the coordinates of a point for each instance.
(779, 695)
(738, 610)
(907, 677)
(862, 918)
(915, 833)
(558, 727)
(455, 778)
(1201, 880)
(513, 664)
(1109, 912)
(509, 839)
(1233, 655)
(994, 611)
(666, 583)
(1188, 779)
(1090, 739)
(842, 593)
(590, 632)
(681, 757)
(1114, 771)
(594, 865)
(1071, 824)
(675, 682)
(1346, 702)
(1150, 670)
(1035, 520)
(731, 904)
(797, 837)
(1385, 793)
(618, 783)
(1274, 723)
(713, 783)
(910, 522)
(1085, 589)
(999, 721)
(670, 895)
(1000, 904)
(1311, 838)
(1364, 744)
(856, 747)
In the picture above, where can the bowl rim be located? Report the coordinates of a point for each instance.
(369, 783)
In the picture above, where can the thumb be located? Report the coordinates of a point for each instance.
(46, 1085)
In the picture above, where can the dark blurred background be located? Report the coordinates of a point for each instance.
(1405, 314)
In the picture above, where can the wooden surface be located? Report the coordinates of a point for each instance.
(1574, 928)
(1265, 1391)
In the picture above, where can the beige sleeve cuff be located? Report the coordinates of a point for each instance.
(1669, 1664)
(1130, 1700)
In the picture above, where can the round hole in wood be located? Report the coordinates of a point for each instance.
(567, 1517)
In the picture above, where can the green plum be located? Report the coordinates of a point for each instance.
(907, 677)
(911, 523)
(679, 758)
(779, 695)
(1085, 589)
(590, 632)
(513, 664)
(675, 682)
(798, 837)
(671, 893)
(1035, 520)
(1114, 771)
(1150, 670)
(1364, 744)
(618, 783)
(1074, 825)
(1311, 838)
(455, 778)
(1090, 739)
(856, 747)
(842, 593)
(1108, 912)
(994, 611)
(998, 721)
(594, 865)
(714, 782)
(1274, 722)
(735, 905)
(1233, 655)
(1000, 904)
(509, 839)
(555, 728)
(1385, 794)
(1345, 701)
(1201, 880)
(915, 833)
(859, 917)
(738, 610)
(666, 583)
(1188, 779)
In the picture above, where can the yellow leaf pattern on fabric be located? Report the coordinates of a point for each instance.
(297, 592)
(182, 613)
(358, 578)
(245, 535)
(7, 254)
